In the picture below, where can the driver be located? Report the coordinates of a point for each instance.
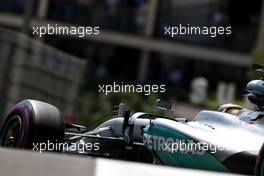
(255, 95)
(247, 115)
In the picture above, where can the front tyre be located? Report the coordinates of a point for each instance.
(30, 122)
(259, 169)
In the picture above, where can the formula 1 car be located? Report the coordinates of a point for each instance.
(228, 140)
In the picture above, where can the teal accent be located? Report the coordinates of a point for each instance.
(187, 159)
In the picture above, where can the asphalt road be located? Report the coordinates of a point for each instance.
(25, 163)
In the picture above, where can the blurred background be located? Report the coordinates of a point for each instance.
(199, 72)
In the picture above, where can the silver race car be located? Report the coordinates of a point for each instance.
(228, 140)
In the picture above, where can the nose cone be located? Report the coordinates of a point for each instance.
(256, 87)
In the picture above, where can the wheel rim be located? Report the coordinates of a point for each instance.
(12, 132)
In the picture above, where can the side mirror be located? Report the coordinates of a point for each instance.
(257, 67)
(163, 104)
(120, 110)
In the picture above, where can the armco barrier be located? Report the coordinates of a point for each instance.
(38, 71)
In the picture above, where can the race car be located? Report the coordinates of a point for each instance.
(227, 140)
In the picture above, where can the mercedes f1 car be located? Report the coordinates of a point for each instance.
(229, 139)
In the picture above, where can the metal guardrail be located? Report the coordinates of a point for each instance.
(26, 163)
(38, 71)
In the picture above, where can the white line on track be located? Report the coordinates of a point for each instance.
(115, 168)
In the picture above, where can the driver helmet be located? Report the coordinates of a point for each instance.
(255, 93)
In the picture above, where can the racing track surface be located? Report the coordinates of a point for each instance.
(25, 163)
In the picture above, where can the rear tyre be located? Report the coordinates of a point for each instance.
(32, 122)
